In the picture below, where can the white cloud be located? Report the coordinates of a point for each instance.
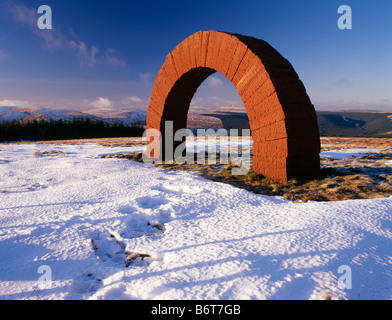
(28, 17)
(112, 57)
(219, 101)
(103, 103)
(56, 40)
(131, 101)
(145, 76)
(215, 101)
(14, 103)
(134, 99)
(87, 56)
(214, 82)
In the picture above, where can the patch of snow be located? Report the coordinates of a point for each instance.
(347, 153)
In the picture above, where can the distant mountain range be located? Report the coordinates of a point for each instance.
(8, 114)
(331, 123)
(349, 123)
(125, 117)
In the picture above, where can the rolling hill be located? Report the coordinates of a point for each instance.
(125, 117)
(354, 123)
(331, 123)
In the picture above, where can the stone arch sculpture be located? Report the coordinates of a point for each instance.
(283, 122)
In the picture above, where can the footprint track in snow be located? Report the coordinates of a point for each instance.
(145, 217)
(151, 202)
(86, 283)
(111, 248)
(178, 189)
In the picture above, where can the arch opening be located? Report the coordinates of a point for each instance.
(178, 101)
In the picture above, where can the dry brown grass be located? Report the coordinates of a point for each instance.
(50, 153)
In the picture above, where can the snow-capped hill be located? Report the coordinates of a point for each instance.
(38, 116)
(200, 121)
(135, 117)
(13, 115)
(6, 108)
(9, 114)
(127, 117)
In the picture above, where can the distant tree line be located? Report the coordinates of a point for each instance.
(78, 128)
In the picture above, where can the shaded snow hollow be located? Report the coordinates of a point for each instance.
(83, 215)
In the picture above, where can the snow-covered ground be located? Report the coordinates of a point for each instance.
(78, 217)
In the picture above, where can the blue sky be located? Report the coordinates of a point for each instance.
(107, 53)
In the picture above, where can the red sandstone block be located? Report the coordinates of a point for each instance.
(192, 55)
(298, 146)
(153, 119)
(160, 78)
(259, 104)
(153, 113)
(228, 48)
(197, 40)
(277, 127)
(192, 47)
(165, 80)
(274, 131)
(236, 60)
(276, 148)
(170, 68)
(222, 62)
(156, 100)
(269, 117)
(275, 113)
(243, 66)
(282, 169)
(261, 122)
(157, 107)
(214, 42)
(262, 93)
(247, 62)
(252, 80)
(181, 58)
(202, 47)
(272, 167)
